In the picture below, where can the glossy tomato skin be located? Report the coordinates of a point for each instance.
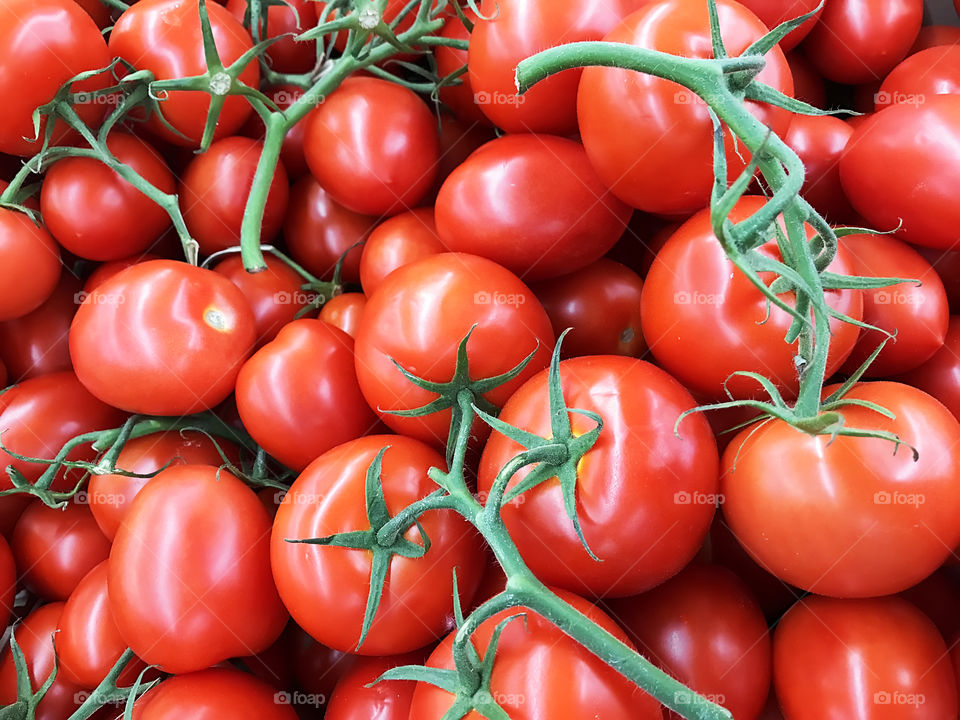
(162, 338)
(497, 205)
(344, 312)
(396, 242)
(163, 36)
(286, 55)
(934, 71)
(705, 629)
(623, 115)
(875, 659)
(8, 582)
(419, 316)
(298, 396)
(373, 146)
(388, 700)
(774, 12)
(105, 271)
(194, 531)
(325, 588)
(849, 518)
(819, 141)
(531, 650)
(625, 498)
(939, 376)
(29, 264)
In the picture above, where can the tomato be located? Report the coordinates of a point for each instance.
(44, 43)
(872, 659)
(316, 668)
(807, 83)
(94, 213)
(193, 552)
(601, 303)
(458, 140)
(355, 698)
(918, 313)
(214, 693)
(325, 588)
(110, 496)
(344, 312)
(624, 115)
(319, 231)
(291, 153)
(419, 316)
(373, 146)
(934, 71)
(849, 518)
(509, 32)
(857, 41)
(97, 10)
(939, 375)
(819, 141)
(497, 205)
(773, 12)
(105, 271)
(937, 597)
(286, 55)
(947, 265)
(29, 264)
(11, 508)
(460, 98)
(8, 582)
(704, 320)
(396, 242)
(298, 396)
(162, 338)
(922, 144)
(934, 36)
(705, 629)
(542, 674)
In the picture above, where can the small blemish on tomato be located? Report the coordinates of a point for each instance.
(216, 319)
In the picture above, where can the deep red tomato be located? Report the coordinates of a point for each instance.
(373, 146)
(97, 10)
(291, 153)
(344, 312)
(807, 83)
(819, 141)
(396, 242)
(325, 588)
(940, 374)
(934, 71)
(935, 36)
(298, 396)
(849, 518)
(286, 55)
(774, 12)
(419, 316)
(625, 115)
(460, 98)
(316, 668)
(937, 597)
(458, 140)
(857, 41)
(8, 582)
(497, 205)
(878, 659)
(194, 552)
(162, 338)
(163, 36)
(947, 265)
(11, 508)
(355, 698)
(29, 263)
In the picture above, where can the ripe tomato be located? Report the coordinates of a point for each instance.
(214, 190)
(97, 10)
(807, 83)
(344, 312)
(286, 55)
(373, 146)
(291, 153)
(8, 582)
(193, 552)
(325, 588)
(819, 141)
(625, 115)
(162, 338)
(458, 140)
(29, 263)
(935, 71)
(774, 12)
(105, 271)
(879, 659)
(355, 698)
(497, 205)
(937, 597)
(940, 374)
(396, 242)
(935, 36)
(298, 396)
(460, 98)
(419, 316)
(849, 518)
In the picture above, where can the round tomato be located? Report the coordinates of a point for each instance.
(774, 12)
(935, 71)
(105, 271)
(286, 55)
(356, 698)
(396, 242)
(8, 582)
(819, 141)
(940, 374)
(29, 264)
(344, 312)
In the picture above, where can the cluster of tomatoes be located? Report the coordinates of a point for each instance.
(283, 405)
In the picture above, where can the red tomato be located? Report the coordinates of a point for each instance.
(11, 508)
(860, 521)
(774, 12)
(97, 10)
(947, 265)
(373, 146)
(940, 374)
(396, 242)
(937, 597)
(878, 659)
(458, 140)
(625, 115)
(316, 668)
(325, 588)
(355, 698)
(214, 693)
(291, 153)
(934, 36)
(498, 206)
(8, 582)
(162, 338)
(934, 71)
(344, 312)
(819, 141)
(193, 552)
(286, 55)
(807, 83)
(460, 98)
(29, 263)
(107, 270)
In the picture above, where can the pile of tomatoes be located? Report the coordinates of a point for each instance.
(776, 573)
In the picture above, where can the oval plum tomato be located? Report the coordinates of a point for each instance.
(918, 313)
(848, 518)
(298, 396)
(162, 338)
(29, 263)
(110, 496)
(509, 32)
(214, 693)
(939, 376)
(44, 43)
(935, 71)
(922, 142)
(497, 205)
(531, 649)
(704, 320)
(878, 658)
(318, 231)
(807, 83)
(624, 115)
(774, 12)
(819, 141)
(705, 629)
(459, 97)
(164, 37)
(373, 146)
(626, 497)
(357, 698)
(291, 152)
(38, 416)
(419, 316)
(194, 552)
(8, 582)
(325, 588)
(396, 242)
(96, 214)
(286, 55)
(344, 312)
(935, 36)
(857, 41)
(601, 302)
